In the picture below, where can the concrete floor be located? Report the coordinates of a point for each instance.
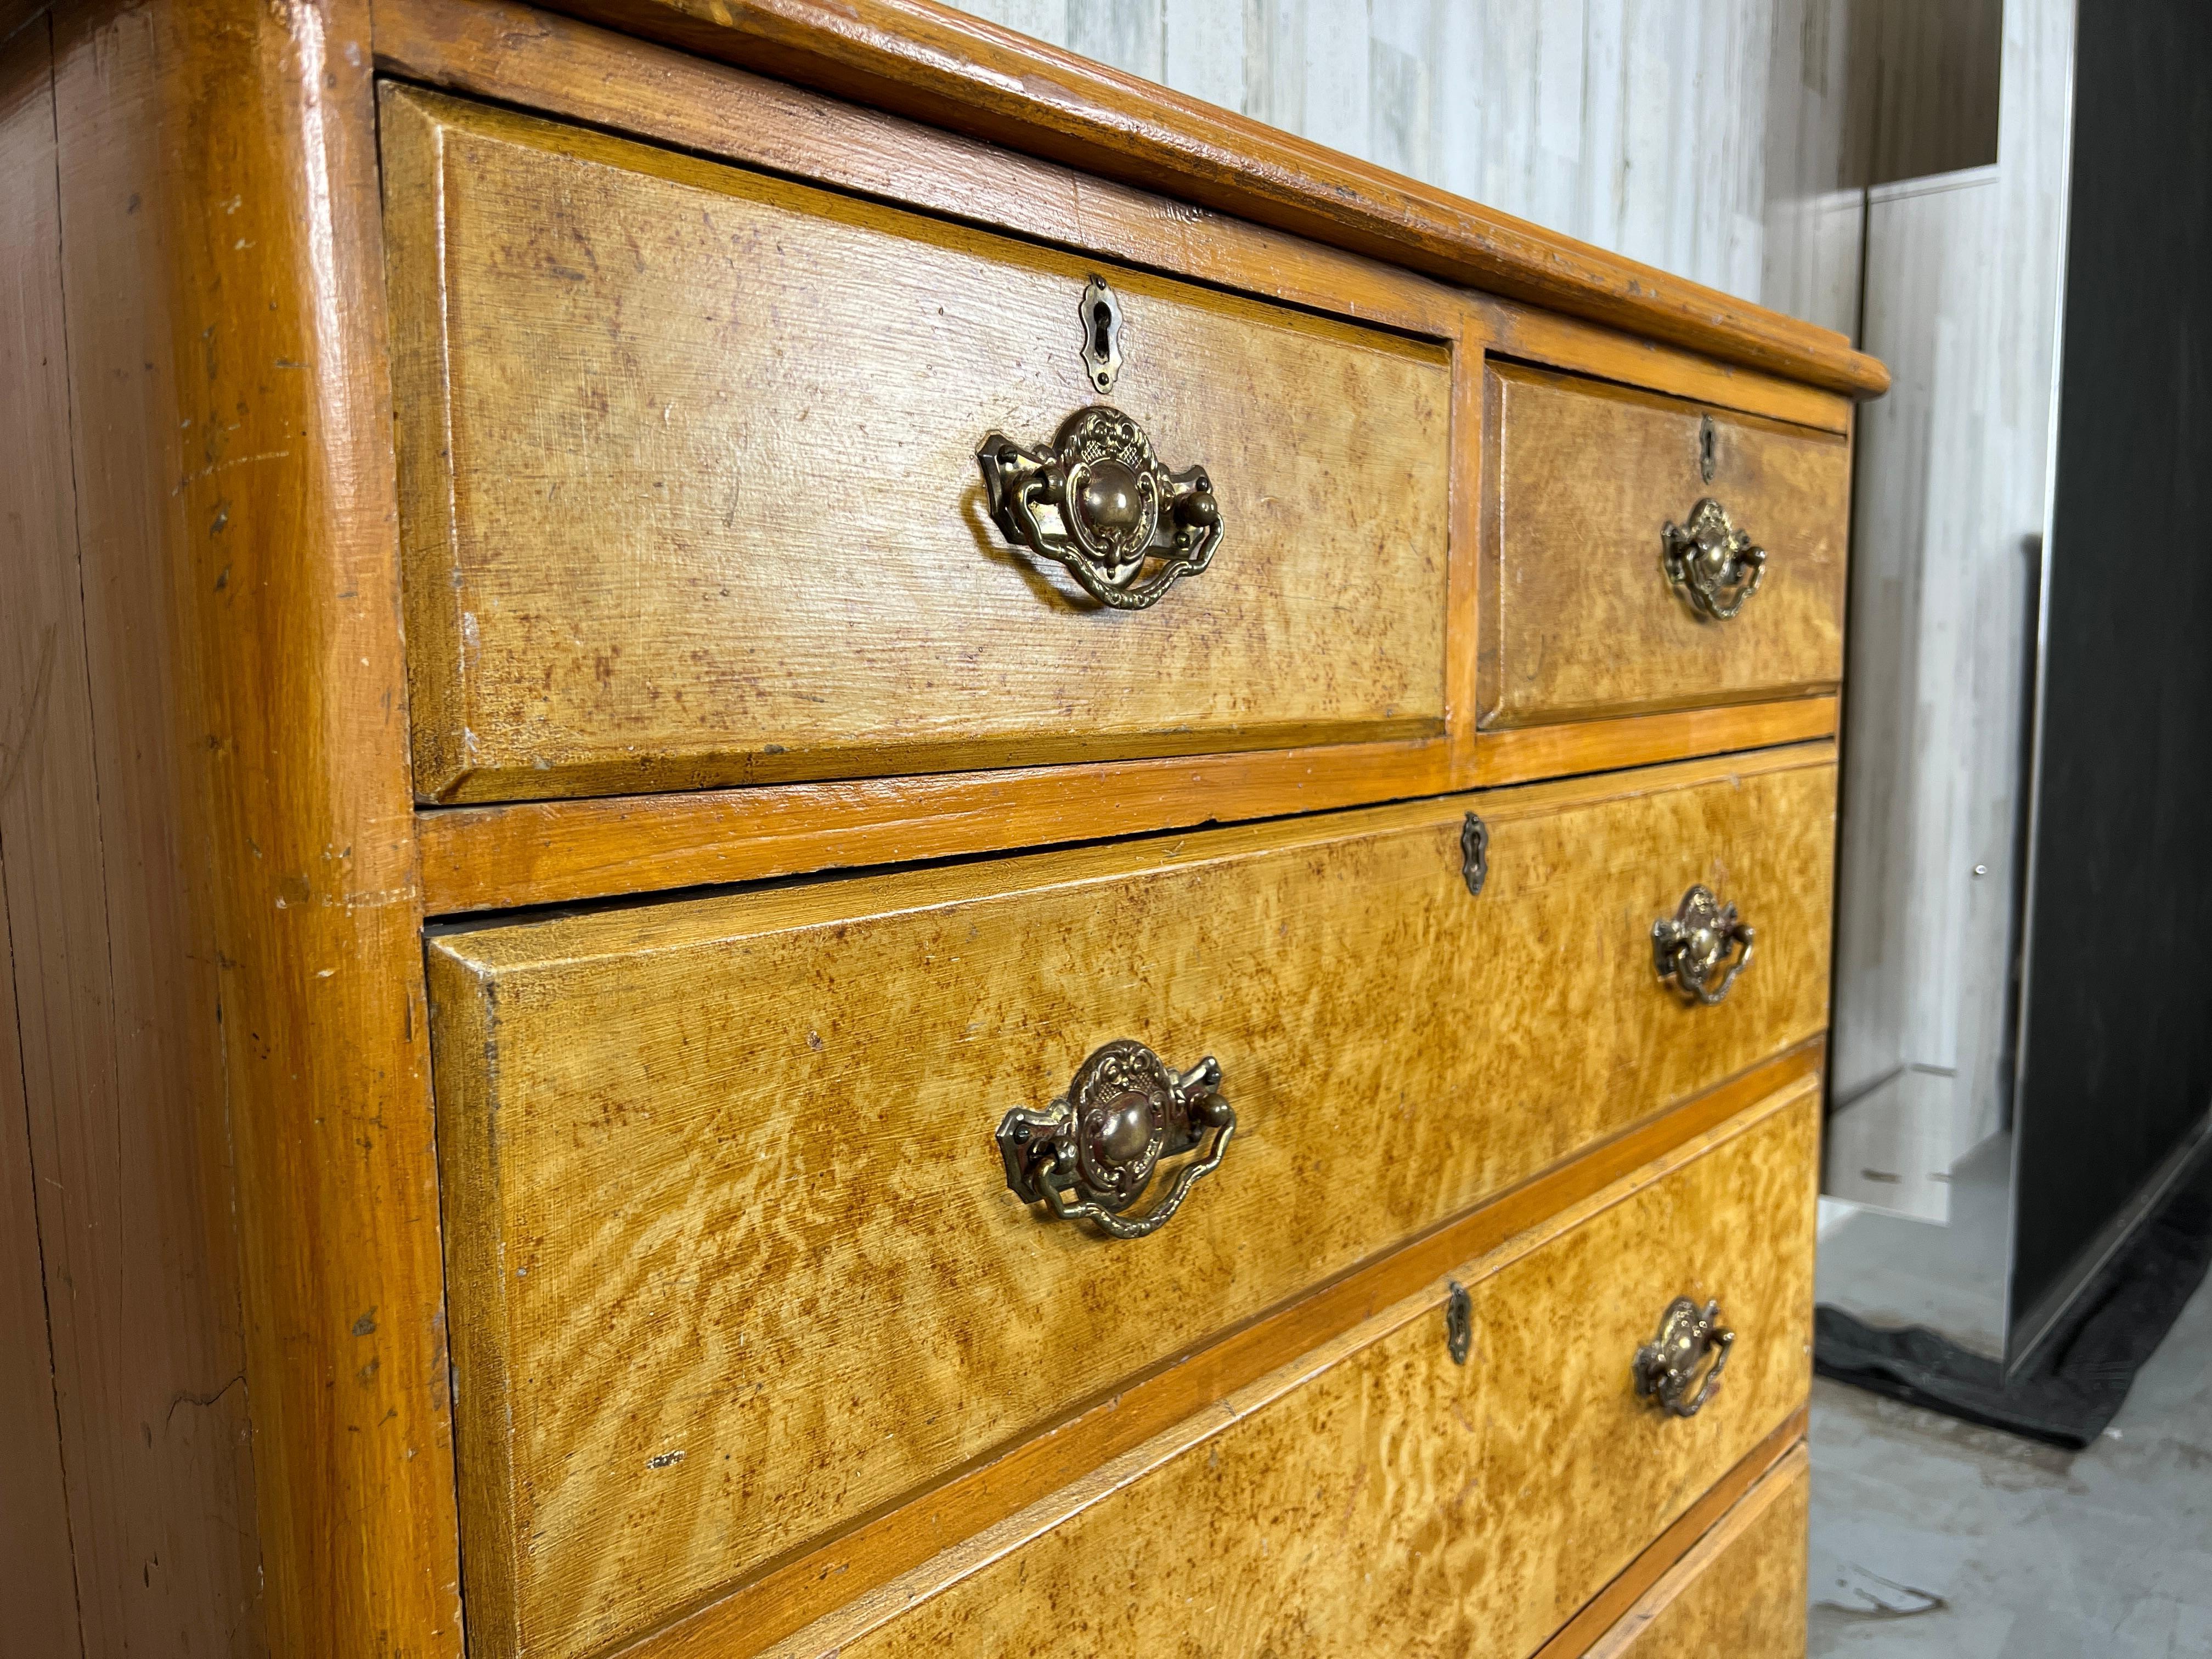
(1933, 1539)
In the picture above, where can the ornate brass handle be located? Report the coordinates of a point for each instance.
(1105, 1138)
(1118, 508)
(1667, 1366)
(1692, 947)
(1711, 561)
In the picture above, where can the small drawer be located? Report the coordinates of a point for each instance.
(691, 493)
(1739, 1591)
(732, 1256)
(1391, 1501)
(1592, 608)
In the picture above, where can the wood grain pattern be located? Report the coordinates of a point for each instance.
(923, 60)
(34, 1523)
(972, 1505)
(1545, 337)
(1604, 1611)
(662, 1080)
(679, 513)
(1579, 619)
(141, 1303)
(526, 853)
(235, 516)
(503, 857)
(560, 67)
(1390, 1501)
(1514, 754)
(1741, 1590)
(36, 534)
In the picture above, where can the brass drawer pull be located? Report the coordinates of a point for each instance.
(1119, 509)
(1105, 1138)
(1713, 563)
(1667, 1366)
(1692, 947)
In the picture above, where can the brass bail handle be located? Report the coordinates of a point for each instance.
(1711, 563)
(1098, 500)
(1666, 1367)
(1092, 1154)
(1701, 947)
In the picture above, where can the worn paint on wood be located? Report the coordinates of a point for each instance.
(1579, 619)
(679, 511)
(645, 1112)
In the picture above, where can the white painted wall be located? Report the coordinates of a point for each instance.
(1636, 125)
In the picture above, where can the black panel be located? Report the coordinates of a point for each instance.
(2117, 1027)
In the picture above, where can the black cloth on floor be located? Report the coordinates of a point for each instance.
(2074, 1385)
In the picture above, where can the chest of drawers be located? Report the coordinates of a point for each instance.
(891, 849)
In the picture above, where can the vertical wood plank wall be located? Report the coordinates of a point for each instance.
(132, 1205)
(1636, 125)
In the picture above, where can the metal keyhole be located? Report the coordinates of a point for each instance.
(1705, 448)
(1102, 334)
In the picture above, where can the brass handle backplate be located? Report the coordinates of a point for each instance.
(1694, 946)
(1127, 529)
(1104, 1140)
(1666, 1368)
(1711, 563)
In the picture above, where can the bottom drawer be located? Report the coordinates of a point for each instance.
(1379, 1497)
(1739, 1591)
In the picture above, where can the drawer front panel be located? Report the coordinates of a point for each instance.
(732, 1255)
(1399, 1502)
(1741, 1590)
(1581, 619)
(690, 492)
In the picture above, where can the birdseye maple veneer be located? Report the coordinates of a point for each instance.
(937, 855)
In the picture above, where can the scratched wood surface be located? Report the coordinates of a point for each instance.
(230, 934)
(34, 1528)
(1397, 1503)
(1739, 1591)
(37, 546)
(679, 512)
(1579, 619)
(674, 1136)
(140, 1295)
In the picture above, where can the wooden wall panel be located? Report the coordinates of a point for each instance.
(132, 1208)
(42, 1621)
(255, 1000)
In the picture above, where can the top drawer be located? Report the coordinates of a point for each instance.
(1582, 617)
(691, 494)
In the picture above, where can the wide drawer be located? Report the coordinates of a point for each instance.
(1387, 1500)
(1581, 616)
(731, 1254)
(1740, 1590)
(691, 494)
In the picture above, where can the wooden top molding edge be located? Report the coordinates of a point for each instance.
(917, 58)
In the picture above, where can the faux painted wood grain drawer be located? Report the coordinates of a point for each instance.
(1740, 1590)
(690, 492)
(1580, 615)
(732, 1257)
(1376, 1497)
